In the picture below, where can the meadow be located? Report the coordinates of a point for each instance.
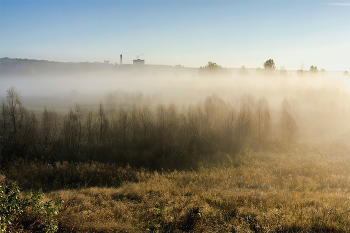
(304, 190)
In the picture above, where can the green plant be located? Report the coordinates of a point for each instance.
(10, 205)
(29, 213)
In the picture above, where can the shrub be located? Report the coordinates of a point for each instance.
(28, 213)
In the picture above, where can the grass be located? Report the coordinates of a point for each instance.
(300, 191)
(64, 175)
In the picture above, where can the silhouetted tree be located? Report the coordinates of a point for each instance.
(243, 124)
(289, 127)
(18, 127)
(72, 133)
(263, 119)
(212, 68)
(269, 65)
(313, 69)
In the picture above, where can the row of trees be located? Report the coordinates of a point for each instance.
(213, 69)
(269, 66)
(162, 137)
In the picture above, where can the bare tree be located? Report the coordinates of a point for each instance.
(243, 124)
(146, 124)
(103, 125)
(72, 133)
(263, 119)
(289, 127)
(49, 127)
(90, 135)
(19, 127)
(228, 127)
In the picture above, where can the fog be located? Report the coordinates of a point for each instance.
(321, 101)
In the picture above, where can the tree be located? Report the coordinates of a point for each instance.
(269, 65)
(49, 130)
(289, 127)
(263, 119)
(18, 130)
(212, 68)
(313, 69)
(243, 71)
(72, 133)
(283, 71)
(346, 73)
(212, 65)
(301, 71)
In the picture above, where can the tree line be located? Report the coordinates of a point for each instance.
(162, 137)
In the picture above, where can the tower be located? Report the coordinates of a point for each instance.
(121, 59)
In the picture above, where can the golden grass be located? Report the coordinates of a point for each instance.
(257, 192)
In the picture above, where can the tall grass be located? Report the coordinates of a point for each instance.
(256, 192)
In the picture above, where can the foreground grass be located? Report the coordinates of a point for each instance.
(258, 192)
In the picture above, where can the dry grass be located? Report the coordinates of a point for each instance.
(302, 191)
(64, 175)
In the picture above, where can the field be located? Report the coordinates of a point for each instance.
(305, 190)
(277, 163)
(274, 193)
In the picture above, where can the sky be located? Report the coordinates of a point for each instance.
(232, 33)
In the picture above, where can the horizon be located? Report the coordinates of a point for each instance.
(189, 33)
(173, 66)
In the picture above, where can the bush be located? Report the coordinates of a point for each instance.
(28, 213)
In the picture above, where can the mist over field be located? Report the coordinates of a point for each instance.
(321, 100)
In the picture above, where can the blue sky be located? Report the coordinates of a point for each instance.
(231, 33)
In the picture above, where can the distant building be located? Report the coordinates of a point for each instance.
(138, 62)
(121, 59)
(106, 62)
